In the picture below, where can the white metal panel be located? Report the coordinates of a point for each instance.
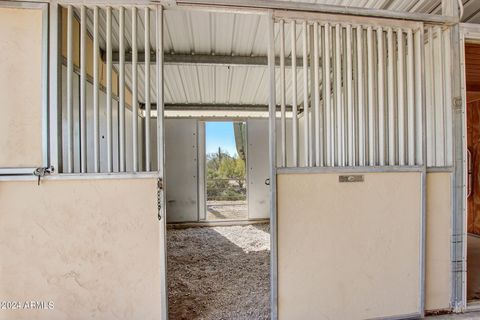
(181, 169)
(258, 169)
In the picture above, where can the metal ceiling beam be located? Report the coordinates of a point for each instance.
(316, 7)
(214, 107)
(205, 59)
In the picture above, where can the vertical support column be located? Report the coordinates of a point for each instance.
(147, 89)
(306, 120)
(381, 97)
(401, 97)
(121, 88)
(371, 98)
(350, 116)
(391, 99)
(282, 95)
(294, 96)
(316, 80)
(161, 158)
(360, 97)
(134, 91)
(96, 113)
(83, 90)
(109, 91)
(273, 174)
(70, 89)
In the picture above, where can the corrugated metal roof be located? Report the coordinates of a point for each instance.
(221, 33)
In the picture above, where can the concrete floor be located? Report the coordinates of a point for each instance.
(473, 268)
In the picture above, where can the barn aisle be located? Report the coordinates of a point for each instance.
(219, 272)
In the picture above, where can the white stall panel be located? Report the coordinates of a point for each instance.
(181, 169)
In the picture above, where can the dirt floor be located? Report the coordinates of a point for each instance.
(226, 210)
(219, 272)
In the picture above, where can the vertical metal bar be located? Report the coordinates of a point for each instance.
(69, 89)
(305, 94)
(410, 99)
(316, 94)
(147, 89)
(294, 97)
(360, 97)
(55, 79)
(338, 96)
(273, 175)
(439, 103)
(401, 97)
(161, 158)
(96, 116)
(431, 134)
(312, 114)
(121, 87)
(134, 92)
(391, 99)
(381, 97)
(83, 92)
(419, 97)
(327, 97)
(282, 95)
(109, 91)
(350, 119)
(371, 99)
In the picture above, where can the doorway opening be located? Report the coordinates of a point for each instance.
(225, 166)
(472, 72)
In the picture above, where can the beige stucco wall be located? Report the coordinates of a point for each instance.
(348, 250)
(20, 87)
(438, 260)
(90, 246)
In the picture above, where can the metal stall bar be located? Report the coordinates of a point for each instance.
(83, 90)
(273, 173)
(431, 144)
(371, 98)
(121, 88)
(147, 90)
(401, 97)
(282, 95)
(410, 100)
(306, 119)
(327, 97)
(294, 97)
(381, 97)
(109, 91)
(316, 86)
(338, 96)
(134, 91)
(350, 116)
(161, 159)
(360, 97)
(439, 104)
(96, 125)
(419, 98)
(70, 89)
(391, 99)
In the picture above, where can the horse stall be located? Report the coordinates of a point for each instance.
(349, 191)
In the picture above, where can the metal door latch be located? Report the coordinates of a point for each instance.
(42, 172)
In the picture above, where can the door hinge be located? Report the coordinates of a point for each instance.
(41, 172)
(159, 197)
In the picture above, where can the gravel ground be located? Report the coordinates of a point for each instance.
(226, 210)
(219, 272)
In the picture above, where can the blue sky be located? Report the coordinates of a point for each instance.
(220, 134)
